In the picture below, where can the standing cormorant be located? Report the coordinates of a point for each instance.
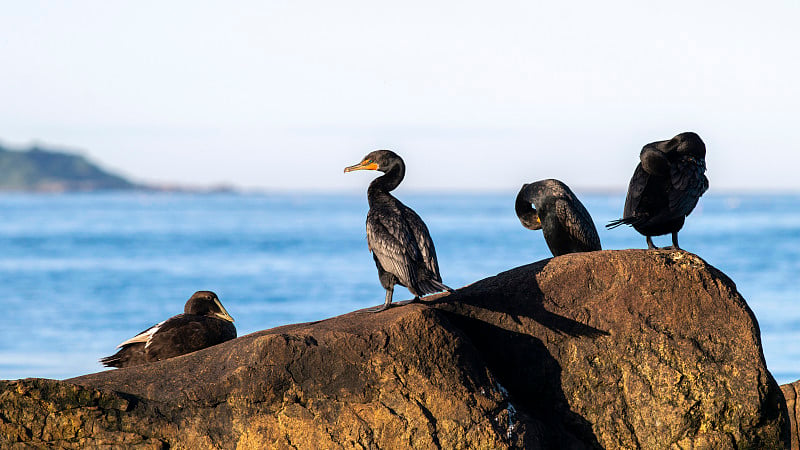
(204, 323)
(551, 206)
(398, 239)
(665, 187)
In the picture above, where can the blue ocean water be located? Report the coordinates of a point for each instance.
(81, 273)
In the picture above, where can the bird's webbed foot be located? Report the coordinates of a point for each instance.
(376, 309)
(414, 300)
(387, 303)
(650, 244)
(674, 245)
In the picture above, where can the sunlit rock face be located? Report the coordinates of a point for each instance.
(612, 349)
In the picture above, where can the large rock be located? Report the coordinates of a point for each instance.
(615, 349)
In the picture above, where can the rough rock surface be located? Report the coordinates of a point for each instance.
(791, 391)
(614, 349)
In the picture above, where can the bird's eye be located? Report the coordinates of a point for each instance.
(369, 161)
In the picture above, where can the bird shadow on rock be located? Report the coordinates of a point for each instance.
(518, 358)
(517, 294)
(524, 367)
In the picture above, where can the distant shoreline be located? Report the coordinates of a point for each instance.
(39, 170)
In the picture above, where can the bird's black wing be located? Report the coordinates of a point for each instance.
(392, 241)
(688, 180)
(578, 222)
(187, 333)
(636, 189)
(631, 214)
(424, 242)
(132, 351)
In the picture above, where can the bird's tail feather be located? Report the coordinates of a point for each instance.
(112, 361)
(616, 223)
(432, 286)
(632, 220)
(128, 355)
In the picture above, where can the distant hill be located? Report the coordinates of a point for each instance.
(41, 170)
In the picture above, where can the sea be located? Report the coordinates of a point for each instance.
(82, 272)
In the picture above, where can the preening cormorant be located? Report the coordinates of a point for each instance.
(398, 239)
(204, 323)
(665, 187)
(551, 206)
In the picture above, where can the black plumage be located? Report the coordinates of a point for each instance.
(665, 187)
(398, 239)
(203, 323)
(551, 206)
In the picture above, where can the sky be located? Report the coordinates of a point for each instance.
(475, 95)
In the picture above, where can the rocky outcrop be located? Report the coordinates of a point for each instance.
(40, 170)
(614, 349)
(790, 392)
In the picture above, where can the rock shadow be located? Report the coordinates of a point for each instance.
(524, 368)
(518, 359)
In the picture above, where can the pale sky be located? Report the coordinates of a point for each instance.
(475, 95)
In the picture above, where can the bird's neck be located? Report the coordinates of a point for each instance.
(527, 214)
(381, 186)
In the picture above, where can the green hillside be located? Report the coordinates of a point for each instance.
(43, 170)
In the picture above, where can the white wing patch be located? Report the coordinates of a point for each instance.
(144, 336)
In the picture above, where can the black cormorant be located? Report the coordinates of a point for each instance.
(398, 239)
(551, 206)
(204, 323)
(665, 187)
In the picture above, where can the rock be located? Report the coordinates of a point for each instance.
(65, 415)
(790, 392)
(612, 349)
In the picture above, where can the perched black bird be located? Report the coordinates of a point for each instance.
(204, 323)
(665, 187)
(550, 206)
(398, 239)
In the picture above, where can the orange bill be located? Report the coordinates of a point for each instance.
(363, 165)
